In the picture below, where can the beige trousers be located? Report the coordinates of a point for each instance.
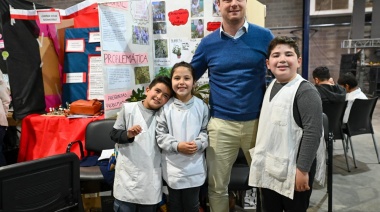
(225, 139)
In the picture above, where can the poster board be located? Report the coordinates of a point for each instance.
(143, 39)
(170, 31)
(82, 75)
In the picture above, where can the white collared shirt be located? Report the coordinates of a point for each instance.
(243, 29)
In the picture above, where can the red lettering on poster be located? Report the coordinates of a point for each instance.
(179, 17)
(212, 26)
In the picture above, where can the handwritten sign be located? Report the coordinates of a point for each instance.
(74, 77)
(179, 17)
(95, 88)
(125, 58)
(49, 17)
(212, 26)
(118, 77)
(116, 100)
(94, 37)
(120, 5)
(75, 45)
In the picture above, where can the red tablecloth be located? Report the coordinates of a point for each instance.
(42, 135)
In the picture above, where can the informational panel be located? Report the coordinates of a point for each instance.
(136, 41)
(126, 37)
(82, 74)
(141, 39)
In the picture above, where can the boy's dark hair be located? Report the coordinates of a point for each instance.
(283, 40)
(322, 73)
(183, 64)
(348, 79)
(164, 80)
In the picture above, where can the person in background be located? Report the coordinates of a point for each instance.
(182, 135)
(290, 133)
(349, 82)
(200, 28)
(5, 100)
(234, 56)
(326, 87)
(194, 8)
(138, 180)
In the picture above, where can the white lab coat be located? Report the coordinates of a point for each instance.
(178, 122)
(274, 156)
(138, 164)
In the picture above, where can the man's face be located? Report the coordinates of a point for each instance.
(233, 10)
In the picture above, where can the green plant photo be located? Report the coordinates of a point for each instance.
(137, 95)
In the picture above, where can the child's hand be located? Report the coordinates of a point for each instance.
(302, 181)
(133, 131)
(188, 148)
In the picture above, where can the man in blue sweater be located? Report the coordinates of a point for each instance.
(235, 58)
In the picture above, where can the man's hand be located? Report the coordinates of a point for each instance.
(187, 148)
(302, 181)
(133, 131)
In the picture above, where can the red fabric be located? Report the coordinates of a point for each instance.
(87, 20)
(43, 136)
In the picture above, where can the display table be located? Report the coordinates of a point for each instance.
(43, 135)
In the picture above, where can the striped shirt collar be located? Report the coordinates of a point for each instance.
(239, 33)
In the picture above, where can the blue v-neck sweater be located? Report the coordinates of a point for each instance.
(236, 69)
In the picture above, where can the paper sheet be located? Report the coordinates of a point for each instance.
(106, 154)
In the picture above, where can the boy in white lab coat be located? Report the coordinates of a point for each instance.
(289, 149)
(138, 180)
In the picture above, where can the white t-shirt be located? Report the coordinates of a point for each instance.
(350, 97)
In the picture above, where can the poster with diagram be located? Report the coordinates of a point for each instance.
(141, 39)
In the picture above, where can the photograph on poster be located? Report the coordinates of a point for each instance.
(162, 71)
(140, 12)
(197, 28)
(140, 35)
(161, 48)
(182, 49)
(196, 8)
(142, 75)
(158, 11)
(147, 37)
(215, 9)
(159, 27)
(177, 50)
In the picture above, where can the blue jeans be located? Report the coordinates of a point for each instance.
(181, 200)
(3, 130)
(120, 206)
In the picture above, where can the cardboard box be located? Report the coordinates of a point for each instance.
(92, 202)
(97, 202)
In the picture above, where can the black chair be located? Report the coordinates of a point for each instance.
(328, 136)
(45, 184)
(335, 112)
(239, 177)
(360, 122)
(96, 139)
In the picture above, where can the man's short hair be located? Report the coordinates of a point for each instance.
(322, 73)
